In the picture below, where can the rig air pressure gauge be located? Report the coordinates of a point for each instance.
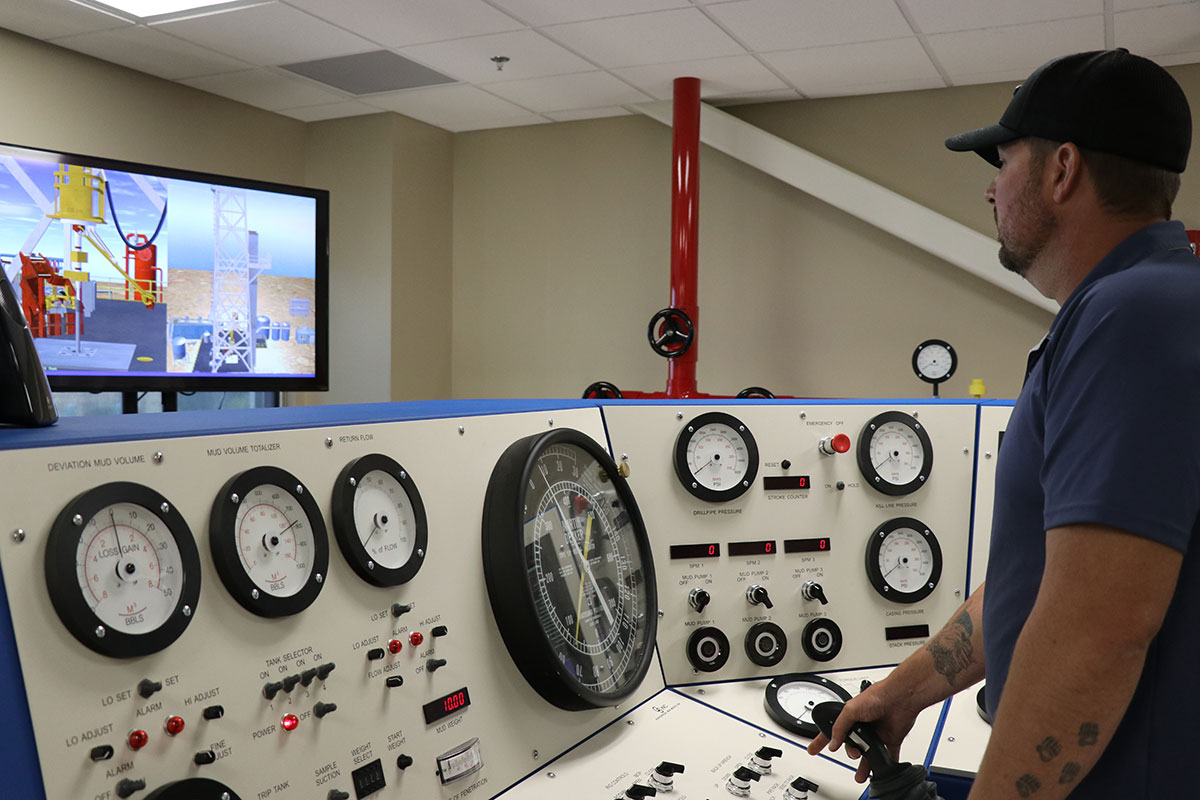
(934, 362)
(716, 457)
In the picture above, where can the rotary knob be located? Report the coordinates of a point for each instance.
(760, 762)
(663, 777)
(799, 789)
(738, 784)
(698, 599)
(811, 590)
(757, 595)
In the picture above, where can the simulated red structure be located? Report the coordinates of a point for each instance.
(40, 282)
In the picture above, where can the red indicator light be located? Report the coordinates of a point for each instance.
(138, 739)
(173, 726)
(395, 646)
(415, 638)
(289, 722)
(841, 443)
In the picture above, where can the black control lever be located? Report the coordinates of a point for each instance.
(890, 780)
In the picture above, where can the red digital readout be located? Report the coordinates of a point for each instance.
(806, 545)
(762, 548)
(454, 701)
(446, 705)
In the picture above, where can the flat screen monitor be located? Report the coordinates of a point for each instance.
(136, 278)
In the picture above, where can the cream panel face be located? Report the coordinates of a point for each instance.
(992, 422)
(891, 566)
(341, 651)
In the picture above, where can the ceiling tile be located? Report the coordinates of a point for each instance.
(448, 105)
(329, 111)
(369, 73)
(490, 124)
(1015, 51)
(943, 16)
(581, 90)
(647, 38)
(267, 35)
(1159, 31)
(153, 52)
(1128, 5)
(857, 68)
(764, 25)
(588, 113)
(48, 19)
(755, 97)
(554, 12)
(719, 77)
(264, 89)
(530, 54)
(398, 23)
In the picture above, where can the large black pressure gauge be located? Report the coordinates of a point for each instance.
(904, 560)
(894, 453)
(569, 571)
(716, 457)
(268, 542)
(379, 520)
(122, 570)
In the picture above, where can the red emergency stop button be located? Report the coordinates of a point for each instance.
(173, 726)
(832, 445)
(138, 739)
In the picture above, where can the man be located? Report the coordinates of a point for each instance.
(1089, 629)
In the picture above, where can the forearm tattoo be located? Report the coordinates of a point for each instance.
(1049, 749)
(1027, 785)
(952, 650)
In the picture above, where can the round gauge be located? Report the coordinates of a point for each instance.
(894, 453)
(568, 569)
(193, 789)
(790, 699)
(934, 361)
(268, 542)
(716, 457)
(122, 570)
(379, 520)
(904, 560)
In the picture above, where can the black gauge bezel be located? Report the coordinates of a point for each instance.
(875, 575)
(779, 714)
(222, 539)
(872, 476)
(510, 594)
(822, 624)
(62, 582)
(753, 632)
(693, 649)
(939, 343)
(683, 470)
(346, 532)
(193, 789)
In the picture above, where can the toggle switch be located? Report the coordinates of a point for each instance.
(394, 681)
(799, 789)
(434, 664)
(324, 670)
(757, 595)
(147, 687)
(308, 676)
(290, 682)
(663, 776)
(102, 753)
(813, 591)
(440, 630)
(127, 786)
(638, 791)
(271, 689)
(321, 709)
(376, 653)
(760, 762)
(404, 761)
(832, 445)
(334, 794)
(399, 609)
(738, 784)
(213, 712)
(204, 757)
(698, 599)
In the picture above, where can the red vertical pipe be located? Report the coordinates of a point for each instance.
(685, 228)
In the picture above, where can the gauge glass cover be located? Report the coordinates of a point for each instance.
(895, 453)
(904, 560)
(379, 520)
(934, 361)
(716, 457)
(790, 699)
(383, 516)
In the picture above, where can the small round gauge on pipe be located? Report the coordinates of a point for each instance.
(934, 361)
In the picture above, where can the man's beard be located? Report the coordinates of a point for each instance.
(1018, 252)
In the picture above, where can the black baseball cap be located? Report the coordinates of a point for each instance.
(1110, 101)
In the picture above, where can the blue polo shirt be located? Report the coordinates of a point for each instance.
(1107, 431)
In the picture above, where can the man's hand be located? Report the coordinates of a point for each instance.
(891, 719)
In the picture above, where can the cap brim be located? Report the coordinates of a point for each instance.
(983, 141)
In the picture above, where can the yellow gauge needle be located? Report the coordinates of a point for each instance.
(587, 542)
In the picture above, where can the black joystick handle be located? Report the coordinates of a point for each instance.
(862, 736)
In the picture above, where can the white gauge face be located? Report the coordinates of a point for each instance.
(275, 541)
(897, 453)
(717, 457)
(129, 568)
(384, 519)
(799, 698)
(906, 560)
(934, 362)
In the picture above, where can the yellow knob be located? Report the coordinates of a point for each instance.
(977, 388)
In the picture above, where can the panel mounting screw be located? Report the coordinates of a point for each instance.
(461, 430)
(18, 535)
(329, 441)
(158, 457)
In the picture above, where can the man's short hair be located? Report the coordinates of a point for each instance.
(1124, 187)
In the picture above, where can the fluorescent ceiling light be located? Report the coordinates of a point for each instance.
(144, 9)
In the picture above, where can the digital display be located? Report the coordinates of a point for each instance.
(821, 545)
(776, 482)
(445, 706)
(906, 632)
(763, 548)
(709, 550)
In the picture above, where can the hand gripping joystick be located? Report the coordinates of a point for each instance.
(890, 780)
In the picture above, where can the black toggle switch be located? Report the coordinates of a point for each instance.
(394, 681)
(376, 653)
(668, 768)
(638, 791)
(440, 630)
(204, 757)
(663, 776)
(321, 709)
(290, 682)
(214, 712)
(271, 689)
(334, 794)
(799, 788)
(404, 761)
(307, 676)
(127, 786)
(862, 687)
(102, 753)
(399, 609)
(434, 664)
(758, 595)
(698, 599)
(324, 670)
(811, 590)
(740, 780)
(147, 687)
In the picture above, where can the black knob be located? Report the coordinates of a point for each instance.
(204, 757)
(271, 689)
(668, 768)
(307, 676)
(767, 753)
(440, 630)
(126, 786)
(785, 464)
(376, 653)
(404, 761)
(102, 753)
(334, 794)
(746, 774)
(324, 670)
(841, 486)
(214, 712)
(803, 784)
(434, 664)
(321, 709)
(290, 682)
(862, 687)
(394, 681)
(758, 595)
(638, 791)
(698, 599)
(400, 608)
(813, 591)
(147, 687)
